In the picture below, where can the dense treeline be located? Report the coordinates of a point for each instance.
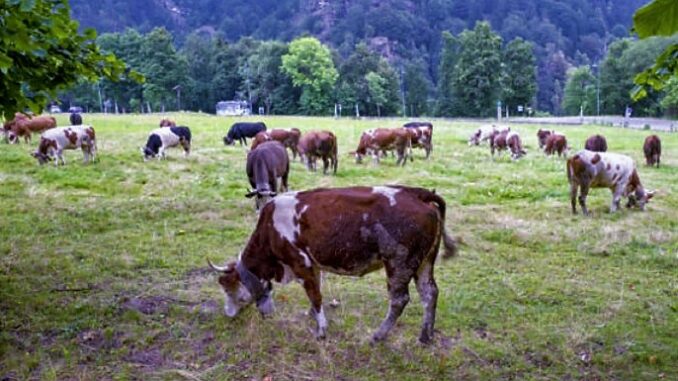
(405, 32)
(476, 69)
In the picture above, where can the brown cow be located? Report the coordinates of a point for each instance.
(25, 126)
(510, 140)
(652, 149)
(596, 143)
(556, 143)
(167, 123)
(542, 135)
(288, 138)
(268, 167)
(319, 144)
(373, 142)
(348, 231)
(589, 169)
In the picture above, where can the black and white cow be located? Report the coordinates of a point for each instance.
(166, 137)
(243, 130)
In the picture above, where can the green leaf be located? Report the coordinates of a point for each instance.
(27, 5)
(659, 18)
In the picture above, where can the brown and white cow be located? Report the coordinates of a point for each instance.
(24, 126)
(54, 141)
(556, 143)
(319, 144)
(652, 150)
(268, 167)
(348, 231)
(486, 133)
(421, 137)
(167, 123)
(542, 135)
(289, 138)
(589, 169)
(510, 140)
(596, 143)
(374, 141)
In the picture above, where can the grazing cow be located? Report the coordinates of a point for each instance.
(243, 130)
(380, 140)
(589, 169)
(596, 143)
(421, 137)
(652, 149)
(507, 139)
(289, 138)
(166, 137)
(319, 144)
(348, 231)
(556, 142)
(23, 125)
(167, 123)
(542, 135)
(54, 141)
(267, 169)
(75, 118)
(486, 132)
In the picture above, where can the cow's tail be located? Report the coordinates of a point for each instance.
(449, 243)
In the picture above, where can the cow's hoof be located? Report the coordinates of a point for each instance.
(425, 338)
(321, 334)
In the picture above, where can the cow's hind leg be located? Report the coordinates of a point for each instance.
(428, 292)
(573, 196)
(311, 279)
(582, 198)
(326, 164)
(399, 295)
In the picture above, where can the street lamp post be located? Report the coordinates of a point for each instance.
(596, 68)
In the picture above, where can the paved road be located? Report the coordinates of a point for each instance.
(617, 121)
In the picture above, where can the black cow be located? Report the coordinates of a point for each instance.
(243, 130)
(76, 119)
(267, 169)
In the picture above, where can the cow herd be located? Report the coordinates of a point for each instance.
(353, 230)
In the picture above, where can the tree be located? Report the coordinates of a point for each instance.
(446, 96)
(376, 85)
(658, 18)
(615, 79)
(311, 68)
(42, 52)
(477, 74)
(580, 91)
(416, 90)
(163, 68)
(670, 100)
(519, 77)
(266, 74)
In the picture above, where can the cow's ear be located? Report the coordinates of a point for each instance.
(650, 194)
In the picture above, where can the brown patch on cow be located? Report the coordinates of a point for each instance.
(618, 167)
(575, 167)
(634, 180)
(167, 123)
(596, 159)
(71, 136)
(90, 133)
(45, 144)
(609, 166)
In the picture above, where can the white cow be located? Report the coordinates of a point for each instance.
(54, 141)
(589, 169)
(486, 132)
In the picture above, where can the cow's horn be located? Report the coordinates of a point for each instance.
(215, 267)
(251, 193)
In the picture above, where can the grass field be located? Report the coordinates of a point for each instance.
(103, 272)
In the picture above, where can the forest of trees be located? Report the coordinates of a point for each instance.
(388, 58)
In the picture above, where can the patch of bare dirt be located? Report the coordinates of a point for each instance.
(96, 340)
(148, 305)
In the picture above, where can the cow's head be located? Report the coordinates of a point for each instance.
(639, 198)
(241, 288)
(42, 158)
(12, 137)
(474, 139)
(228, 141)
(147, 153)
(261, 197)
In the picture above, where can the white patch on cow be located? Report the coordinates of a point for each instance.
(320, 318)
(365, 215)
(387, 192)
(284, 215)
(307, 260)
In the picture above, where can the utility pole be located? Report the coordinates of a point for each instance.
(597, 69)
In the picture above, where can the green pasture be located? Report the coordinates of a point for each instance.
(103, 272)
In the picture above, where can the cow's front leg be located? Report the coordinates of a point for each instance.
(399, 295)
(616, 197)
(60, 156)
(326, 164)
(311, 278)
